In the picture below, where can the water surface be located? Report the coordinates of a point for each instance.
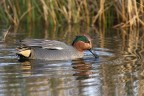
(117, 72)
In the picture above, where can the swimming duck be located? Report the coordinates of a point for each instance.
(54, 50)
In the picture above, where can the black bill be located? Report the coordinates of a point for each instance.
(95, 55)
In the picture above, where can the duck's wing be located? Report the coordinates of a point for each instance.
(55, 45)
(32, 42)
(45, 44)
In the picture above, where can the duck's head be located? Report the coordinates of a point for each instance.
(82, 43)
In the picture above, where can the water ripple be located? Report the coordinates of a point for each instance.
(114, 72)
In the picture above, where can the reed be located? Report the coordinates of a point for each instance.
(124, 13)
(131, 13)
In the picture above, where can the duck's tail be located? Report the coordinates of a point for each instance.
(23, 52)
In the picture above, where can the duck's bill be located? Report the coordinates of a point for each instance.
(94, 54)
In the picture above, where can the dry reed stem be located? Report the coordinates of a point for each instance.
(141, 6)
(86, 11)
(136, 13)
(15, 18)
(123, 11)
(100, 12)
(129, 12)
(48, 10)
(101, 17)
(130, 9)
(132, 15)
(6, 33)
(53, 14)
(69, 11)
(29, 13)
(7, 12)
(141, 22)
(78, 10)
(45, 11)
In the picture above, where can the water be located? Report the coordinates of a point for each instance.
(117, 72)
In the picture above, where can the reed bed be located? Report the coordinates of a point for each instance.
(107, 13)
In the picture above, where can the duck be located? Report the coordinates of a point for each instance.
(53, 49)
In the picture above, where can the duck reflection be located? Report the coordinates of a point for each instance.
(29, 67)
(57, 78)
(26, 68)
(42, 67)
(82, 69)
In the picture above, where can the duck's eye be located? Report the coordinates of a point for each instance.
(87, 41)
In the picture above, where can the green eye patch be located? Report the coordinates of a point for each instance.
(81, 38)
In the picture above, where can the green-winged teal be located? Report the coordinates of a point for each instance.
(54, 50)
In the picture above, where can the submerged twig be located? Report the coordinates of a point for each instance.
(6, 33)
